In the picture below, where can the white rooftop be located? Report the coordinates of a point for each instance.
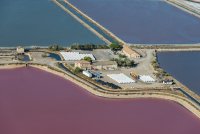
(146, 78)
(121, 78)
(75, 56)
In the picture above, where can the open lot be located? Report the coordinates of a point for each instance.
(39, 57)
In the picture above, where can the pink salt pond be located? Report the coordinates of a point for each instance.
(36, 102)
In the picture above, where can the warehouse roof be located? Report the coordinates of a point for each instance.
(121, 78)
(146, 78)
(75, 56)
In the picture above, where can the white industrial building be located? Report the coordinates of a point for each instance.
(74, 56)
(87, 73)
(121, 78)
(146, 78)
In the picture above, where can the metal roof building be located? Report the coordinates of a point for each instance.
(121, 78)
(75, 56)
(146, 78)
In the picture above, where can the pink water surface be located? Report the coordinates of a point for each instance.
(37, 102)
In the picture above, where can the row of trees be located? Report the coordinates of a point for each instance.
(113, 46)
(55, 48)
(88, 46)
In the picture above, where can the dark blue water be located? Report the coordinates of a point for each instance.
(41, 23)
(143, 21)
(88, 22)
(54, 56)
(26, 58)
(184, 66)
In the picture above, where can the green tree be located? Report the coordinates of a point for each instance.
(88, 46)
(89, 59)
(55, 48)
(122, 56)
(124, 62)
(115, 47)
(77, 70)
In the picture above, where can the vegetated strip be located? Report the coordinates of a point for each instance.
(183, 6)
(96, 23)
(82, 22)
(103, 92)
(168, 47)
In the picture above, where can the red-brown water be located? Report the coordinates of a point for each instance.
(37, 102)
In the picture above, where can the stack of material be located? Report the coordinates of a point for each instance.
(168, 82)
(146, 78)
(121, 78)
(74, 56)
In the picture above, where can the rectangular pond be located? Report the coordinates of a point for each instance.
(143, 21)
(184, 66)
(41, 23)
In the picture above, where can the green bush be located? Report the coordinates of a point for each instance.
(115, 47)
(77, 70)
(124, 62)
(89, 59)
(88, 46)
(55, 48)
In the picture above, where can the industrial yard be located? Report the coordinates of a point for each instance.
(101, 66)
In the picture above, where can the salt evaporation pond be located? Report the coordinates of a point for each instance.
(41, 23)
(37, 102)
(184, 66)
(143, 21)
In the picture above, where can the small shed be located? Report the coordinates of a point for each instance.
(168, 82)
